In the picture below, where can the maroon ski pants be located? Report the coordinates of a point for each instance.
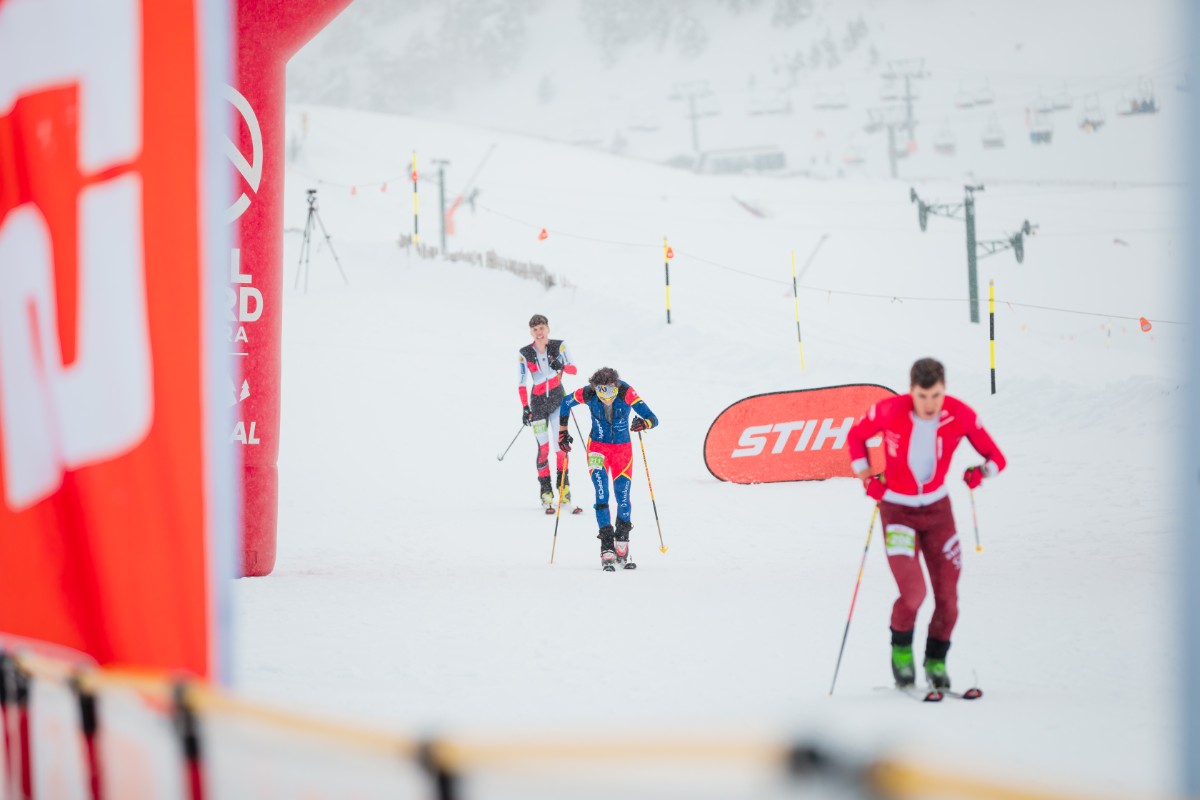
(909, 534)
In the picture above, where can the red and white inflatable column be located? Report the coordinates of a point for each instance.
(269, 33)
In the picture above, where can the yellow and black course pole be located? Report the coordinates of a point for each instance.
(416, 228)
(796, 297)
(667, 275)
(992, 329)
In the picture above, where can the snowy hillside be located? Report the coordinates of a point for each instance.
(413, 588)
(803, 78)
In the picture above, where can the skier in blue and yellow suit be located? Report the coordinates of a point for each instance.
(609, 451)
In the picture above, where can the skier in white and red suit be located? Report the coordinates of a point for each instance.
(544, 360)
(921, 430)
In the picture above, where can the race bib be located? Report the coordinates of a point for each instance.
(595, 460)
(900, 540)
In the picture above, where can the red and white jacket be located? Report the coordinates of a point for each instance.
(893, 418)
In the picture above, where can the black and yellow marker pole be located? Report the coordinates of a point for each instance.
(416, 218)
(796, 297)
(667, 275)
(992, 329)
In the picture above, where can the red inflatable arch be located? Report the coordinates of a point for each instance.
(269, 33)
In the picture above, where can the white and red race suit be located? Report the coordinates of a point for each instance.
(546, 370)
(908, 449)
(914, 505)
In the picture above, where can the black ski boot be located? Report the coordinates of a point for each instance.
(622, 544)
(547, 493)
(904, 669)
(935, 663)
(607, 556)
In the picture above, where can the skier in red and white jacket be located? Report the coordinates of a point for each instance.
(920, 431)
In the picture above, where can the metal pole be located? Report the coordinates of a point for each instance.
(695, 129)
(908, 98)
(416, 227)
(972, 278)
(442, 197)
(892, 148)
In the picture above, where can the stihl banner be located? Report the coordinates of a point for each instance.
(790, 436)
(116, 476)
(269, 33)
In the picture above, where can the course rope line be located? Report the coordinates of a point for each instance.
(699, 259)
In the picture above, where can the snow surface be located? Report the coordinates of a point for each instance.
(413, 588)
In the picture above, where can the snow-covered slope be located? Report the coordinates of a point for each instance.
(617, 76)
(413, 588)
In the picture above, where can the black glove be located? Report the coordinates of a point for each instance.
(557, 363)
(564, 440)
(526, 415)
(640, 424)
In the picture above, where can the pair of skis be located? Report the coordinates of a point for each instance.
(934, 695)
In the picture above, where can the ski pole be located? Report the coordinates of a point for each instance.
(662, 547)
(853, 598)
(510, 444)
(558, 512)
(975, 519)
(578, 430)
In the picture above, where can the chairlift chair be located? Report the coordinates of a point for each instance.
(1141, 101)
(993, 135)
(1062, 100)
(944, 144)
(964, 99)
(835, 100)
(854, 156)
(1091, 118)
(984, 96)
(762, 105)
(1042, 129)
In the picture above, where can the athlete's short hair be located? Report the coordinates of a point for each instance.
(605, 376)
(538, 319)
(927, 373)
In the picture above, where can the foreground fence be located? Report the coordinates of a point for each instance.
(71, 730)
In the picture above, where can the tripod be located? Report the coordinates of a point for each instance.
(306, 245)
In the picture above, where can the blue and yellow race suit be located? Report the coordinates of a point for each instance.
(609, 450)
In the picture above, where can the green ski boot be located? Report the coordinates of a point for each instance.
(935, 673)
(904, 668)
(935, 664)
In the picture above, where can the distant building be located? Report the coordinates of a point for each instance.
(742, 159)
